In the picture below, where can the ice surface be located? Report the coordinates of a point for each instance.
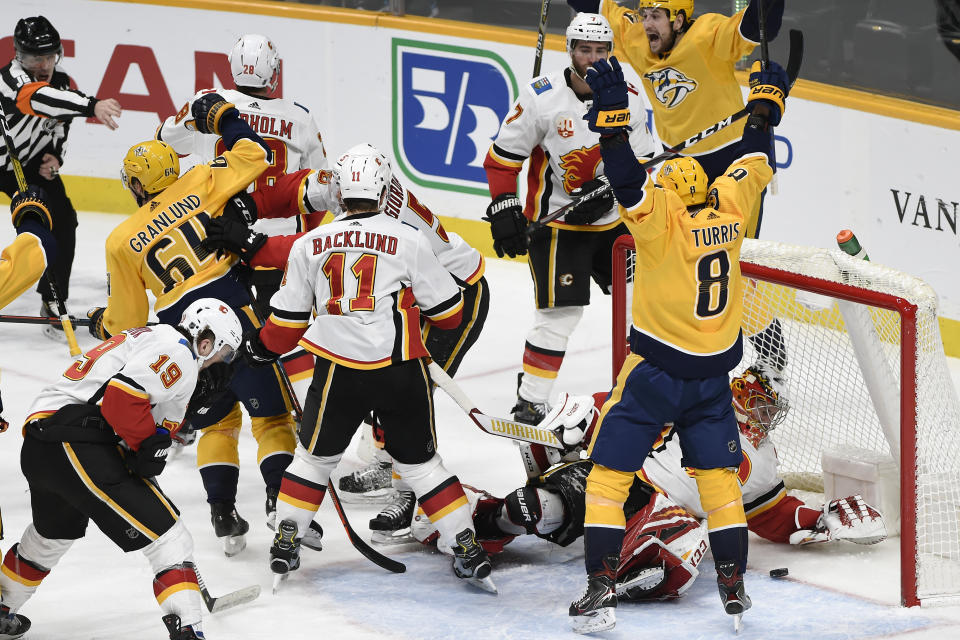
(839, 591)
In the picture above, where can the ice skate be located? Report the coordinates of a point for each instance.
(526, 411)
(271, 507)
(53, 331)
(640, 582)
(229, 527)
(732, 593)
(284, 553)
(392, 525)
(312, 537)
(371, 484)
(471, 563)
(12, 625)
(596, 609)
(172, 622)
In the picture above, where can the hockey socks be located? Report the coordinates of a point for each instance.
(441, 497)
(303, 487)
(177, 591)
(604, 521)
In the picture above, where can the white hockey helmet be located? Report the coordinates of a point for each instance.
(363, 173)
(255, 62)
(213, 315)
(591, 27)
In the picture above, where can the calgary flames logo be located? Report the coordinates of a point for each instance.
(670, 86)
(565, 127)
(579, 166)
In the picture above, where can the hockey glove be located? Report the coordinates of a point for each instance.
(96, 323)
(241, 207)
(596, 199)
(30, 204)
(150, 458)
(233, 236)
(254, 352)
(208, 110)
(768, 88)
(212, 380)
(508, 225)
(570, 419)
(610, 112)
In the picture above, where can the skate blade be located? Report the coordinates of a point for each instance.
(737, 622)
(232, 545)
(57, 335)
(390, 538)
(486, 584)
(602, 620)
(645, 580)
(377, 496)
(278, 579)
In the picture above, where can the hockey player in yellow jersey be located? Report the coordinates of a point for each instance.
(159, 249)
(684, 339)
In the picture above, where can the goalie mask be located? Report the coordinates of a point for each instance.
(255, 62)
(154, 164)
(363, 173)
(208, 316)
(759, 407)
(686, 178)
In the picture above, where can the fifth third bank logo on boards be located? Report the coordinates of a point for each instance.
(448, 103)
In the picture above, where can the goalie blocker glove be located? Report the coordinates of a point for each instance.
(593, 205)
(508, 225)
(236, 237)
(610, 112)
(208, 110)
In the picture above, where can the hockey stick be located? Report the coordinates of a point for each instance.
(54, 293)
(764, 65)
(358, 543)
(541, 36)
(794, 62)
(79, 322)
(216, 604)
(496, 426)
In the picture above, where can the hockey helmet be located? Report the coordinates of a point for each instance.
(757, 403)
(673, 7)
(363, 173)
(686, 177)
(36, 36)
(154, 164)
(591, 27)
(255, 62)
(210, 314)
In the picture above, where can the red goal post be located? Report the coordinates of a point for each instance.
(866, 372)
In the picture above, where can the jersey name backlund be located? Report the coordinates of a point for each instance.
(267, 125)
(167, 218)
(356, 240)
(670, 86)
(715, 235)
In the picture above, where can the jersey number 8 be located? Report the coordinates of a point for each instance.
(713, 284)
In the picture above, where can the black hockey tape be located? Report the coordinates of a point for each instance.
(779, 573)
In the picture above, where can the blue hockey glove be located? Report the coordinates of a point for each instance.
(768, 88)
(610, 113)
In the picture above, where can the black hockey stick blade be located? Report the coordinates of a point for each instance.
(359, 544)
(216, 604)
(795, 57)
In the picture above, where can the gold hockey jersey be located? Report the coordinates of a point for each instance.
(21, 265)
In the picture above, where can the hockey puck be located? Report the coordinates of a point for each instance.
(779, 573)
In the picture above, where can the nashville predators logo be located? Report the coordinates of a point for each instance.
(670, 86)
(579, 166)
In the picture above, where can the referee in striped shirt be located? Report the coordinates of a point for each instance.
(39, 105)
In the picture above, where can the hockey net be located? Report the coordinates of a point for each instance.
(865, 371)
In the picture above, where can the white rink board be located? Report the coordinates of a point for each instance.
(845, 168)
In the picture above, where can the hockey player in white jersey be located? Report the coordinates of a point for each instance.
(368, 277)
(309, 192)
(546, 127)
(93, 443)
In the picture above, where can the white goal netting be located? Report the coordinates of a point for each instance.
(864, 370)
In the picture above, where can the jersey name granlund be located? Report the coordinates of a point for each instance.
(370, 276)
(546, 124)
(286, 126)
(156, 362)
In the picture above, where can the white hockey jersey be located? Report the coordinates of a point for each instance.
(546, 125)
(757, 474)
(459, 258)
(153, 364)
(286, 126)
(371, 277)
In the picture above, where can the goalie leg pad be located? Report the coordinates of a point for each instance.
(532, 511)
(441, 497)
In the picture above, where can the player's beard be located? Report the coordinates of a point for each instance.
(666, 44)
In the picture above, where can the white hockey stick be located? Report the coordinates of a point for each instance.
(496, 426)
(227, 600)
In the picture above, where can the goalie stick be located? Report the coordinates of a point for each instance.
(794, 62)
(497, 426)
(53, 290)
(358, 543)
(216, 604)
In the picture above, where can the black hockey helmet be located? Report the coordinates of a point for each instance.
(36, 36)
